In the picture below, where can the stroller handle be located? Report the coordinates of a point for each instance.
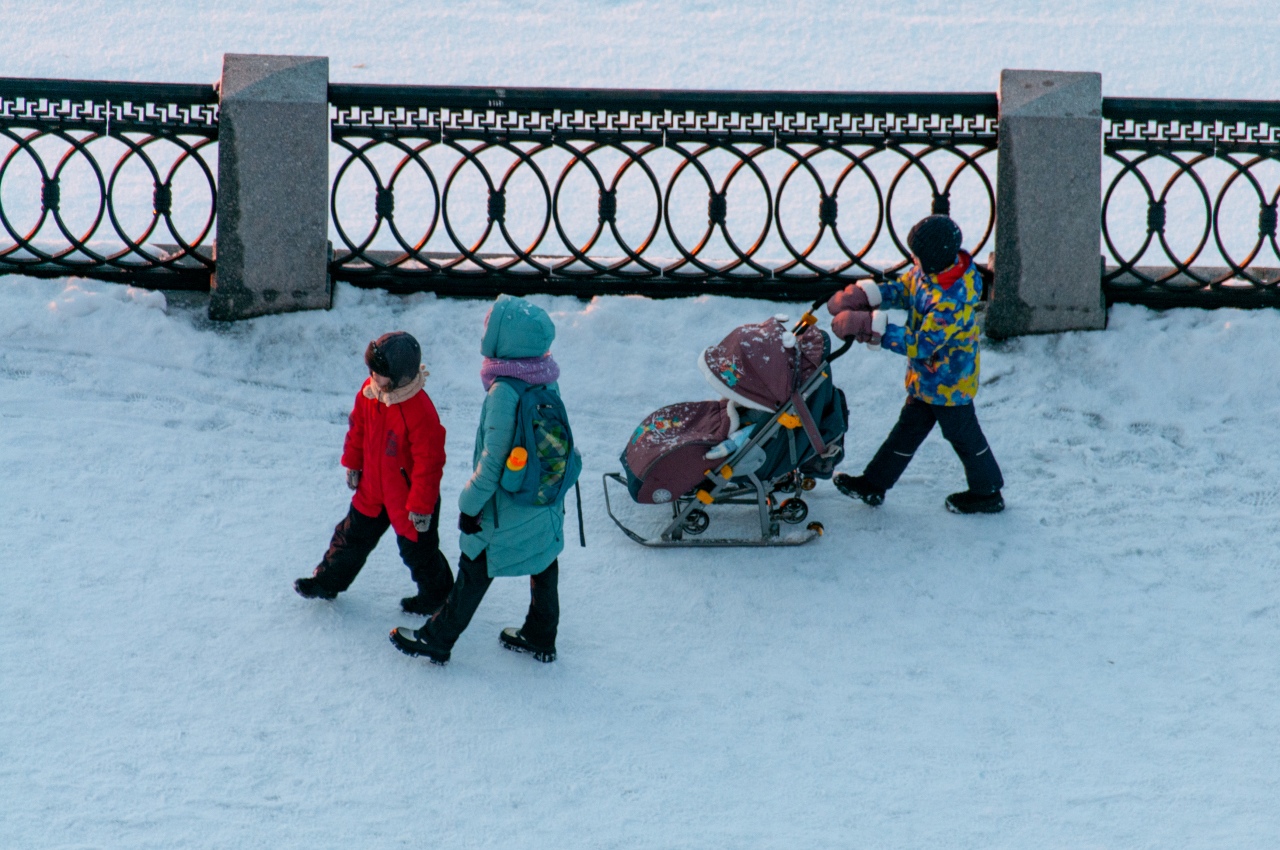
(809, 319)
(839, 352)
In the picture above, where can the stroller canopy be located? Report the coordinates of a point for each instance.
(755, 365)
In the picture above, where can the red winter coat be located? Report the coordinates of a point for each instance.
(399, 450)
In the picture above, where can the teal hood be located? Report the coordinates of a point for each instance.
(515, 328)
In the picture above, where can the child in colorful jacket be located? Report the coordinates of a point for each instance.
(394, 458)
(940, 341)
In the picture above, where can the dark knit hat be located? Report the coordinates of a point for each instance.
(396, 355)
(935, 242)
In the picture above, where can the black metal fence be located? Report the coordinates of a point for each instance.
(583, 191)
(1189, 202)
(656, 192)
(108, 180)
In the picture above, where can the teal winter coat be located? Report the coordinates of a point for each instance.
(516, 539)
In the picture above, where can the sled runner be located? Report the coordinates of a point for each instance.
(779, 425)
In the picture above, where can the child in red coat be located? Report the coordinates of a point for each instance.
(394, 457)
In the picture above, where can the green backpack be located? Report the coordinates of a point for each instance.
(552, 463)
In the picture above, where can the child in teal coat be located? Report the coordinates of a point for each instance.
(501, 537)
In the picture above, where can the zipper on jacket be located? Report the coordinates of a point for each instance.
(405, 420)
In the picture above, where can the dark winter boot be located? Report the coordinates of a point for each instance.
(424, 604)
(514, 640)
(415, 642)
(970, 502)
(857, 487)
(311, 588)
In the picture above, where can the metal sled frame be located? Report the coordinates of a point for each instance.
(727, 492)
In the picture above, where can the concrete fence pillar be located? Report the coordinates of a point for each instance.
(272, 247)
(1048, 271)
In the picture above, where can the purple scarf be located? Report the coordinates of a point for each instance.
(531, 370)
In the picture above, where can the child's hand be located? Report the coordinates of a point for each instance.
(353, 479)
(855, 325)
(422, 522)
(852, 297)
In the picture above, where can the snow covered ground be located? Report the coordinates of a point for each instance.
(1096, 667)
(1172, 48)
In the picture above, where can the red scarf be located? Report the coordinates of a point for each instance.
(951, 275)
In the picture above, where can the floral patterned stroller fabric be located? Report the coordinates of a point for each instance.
(758, 369)
(757, 365)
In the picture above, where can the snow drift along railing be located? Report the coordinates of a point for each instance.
(657, 192)
(108, 180)
(1205, 175)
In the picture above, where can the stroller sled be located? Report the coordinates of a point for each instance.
(779, 425)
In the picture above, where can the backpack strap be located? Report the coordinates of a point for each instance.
(582, 533)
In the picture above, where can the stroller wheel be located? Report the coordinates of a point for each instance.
(808, 484)
(696, 522)
(787, 484)
(793, 511)
(818, 527)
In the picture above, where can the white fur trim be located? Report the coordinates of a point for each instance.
(719, 386)
(879, 324)
(873, 292)
(735, 421)
(396, 396)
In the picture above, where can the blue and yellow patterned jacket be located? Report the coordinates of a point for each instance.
(940, 338)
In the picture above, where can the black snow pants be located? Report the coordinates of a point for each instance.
(960, 427)
(540, 624)
(356, 536)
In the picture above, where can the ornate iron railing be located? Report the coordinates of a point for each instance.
(655, 192)
(1189, 201)
(108, 180)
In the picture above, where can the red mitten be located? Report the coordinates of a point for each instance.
(856, 296)
(856, 325)
(851, 324)
(850, 298)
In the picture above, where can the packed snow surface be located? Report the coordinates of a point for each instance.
(1173, 48)
(1095, 667)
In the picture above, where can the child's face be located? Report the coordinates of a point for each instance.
(382, 382)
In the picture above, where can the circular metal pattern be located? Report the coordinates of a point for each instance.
(75, 139)
(1215, 178)
(719, 200)
(84, 157)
